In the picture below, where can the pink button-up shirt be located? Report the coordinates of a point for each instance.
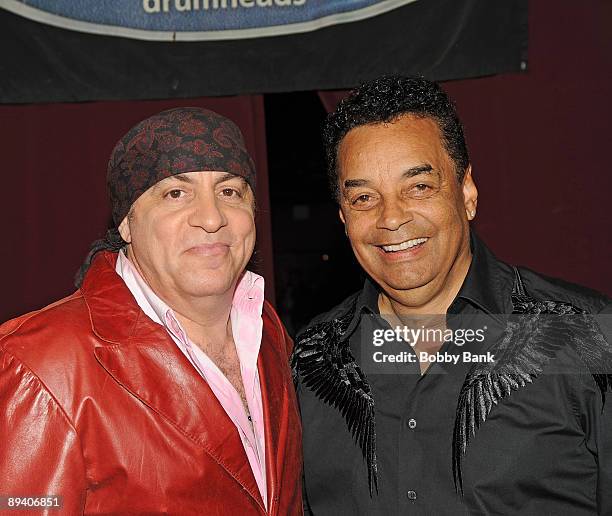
(247, 324)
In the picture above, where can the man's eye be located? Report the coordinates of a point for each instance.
(421, 190)
(174, 194)
(230, 192)
(361, 199)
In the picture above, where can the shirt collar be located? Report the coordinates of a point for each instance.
(148, 301)
(487, 285)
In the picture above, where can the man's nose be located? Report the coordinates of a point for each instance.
(208, 214)
(394, 213)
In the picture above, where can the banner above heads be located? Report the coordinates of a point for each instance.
(78, 50)
(198, 20)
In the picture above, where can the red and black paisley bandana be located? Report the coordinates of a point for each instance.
(174, 142)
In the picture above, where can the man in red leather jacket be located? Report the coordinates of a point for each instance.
(162, 384)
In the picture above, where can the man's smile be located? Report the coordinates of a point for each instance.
(403, 246)
(212, 249)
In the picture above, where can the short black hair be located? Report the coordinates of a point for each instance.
(385, 99)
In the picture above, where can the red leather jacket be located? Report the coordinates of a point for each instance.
(99, 406)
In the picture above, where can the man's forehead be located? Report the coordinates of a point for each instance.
(407, 142)
(193, 177)
(409, 172)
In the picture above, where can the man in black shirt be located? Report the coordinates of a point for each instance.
(513, 419)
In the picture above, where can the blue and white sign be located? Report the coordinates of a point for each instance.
(198, 20)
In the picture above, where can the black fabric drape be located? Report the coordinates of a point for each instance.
(441, 39)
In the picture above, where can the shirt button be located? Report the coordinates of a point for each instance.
(412, 423)
(411, 495)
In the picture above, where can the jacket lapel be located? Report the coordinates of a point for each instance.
(274, 379)
(140, 355)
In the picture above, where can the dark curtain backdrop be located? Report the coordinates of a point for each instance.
(540, 146)
(55, 204)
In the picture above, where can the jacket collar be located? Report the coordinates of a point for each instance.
(114, 312)
(140, 355)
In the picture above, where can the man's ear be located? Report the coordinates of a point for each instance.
(124, 230)
(341, 215)
(470, 193)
